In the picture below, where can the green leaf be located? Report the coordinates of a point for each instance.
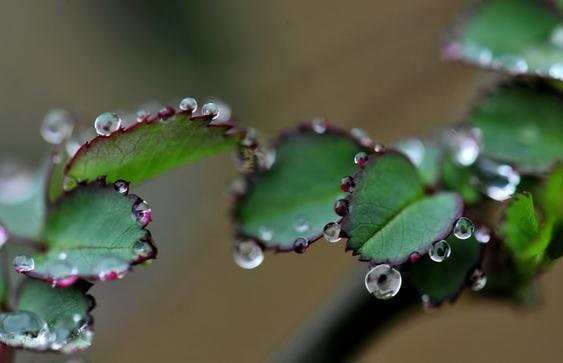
(149, 148)
(62, 316)
(295, 198)
(459, 179)
(553, 196)
(22, 202)
(445, 280)
(390, 216)
(524, 235)
(55, 175)
(92, 233)
(516, 36)
(523, 126)
(426, 156)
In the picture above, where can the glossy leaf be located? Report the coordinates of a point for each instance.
(516, 36)
(93, 233)
(63, 316)
(149, 148)
(523, 126)
(390, 216)
(295, 198)
(445, 280)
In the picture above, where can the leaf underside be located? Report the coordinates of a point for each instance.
(149, 148)
(523, 126)
(91, 233)
(445, 280)
(301, 187)
(390, 216)
(516, 36)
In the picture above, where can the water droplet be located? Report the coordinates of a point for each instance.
(210, 109)
(347, 184)
(414, 257)
(498, 181)
(465, 145)
(188, 104)
(440, 251)
(166, 113)
(427, 305)
(511, 63)
(383, 281)
(360, 159)
(121, 186)
(238, 186)
(557, 36)
(300, 245)
(379, 148)
(110, 268)
(22, 328)
(142, 115)
(478, 280)
(301, 224)
(250, 138)
(69, 183)
(24, 263)
(414, 149)
(265, 233)
(556, 71)
(62, 256)
(107, 123)
(341, 207)
(64, 330)
(362, 137)
(80, 341)
(16, 183)
(143, 249)
(331, 232)
(482, 234)
(4, 235)
(61, 270)
(142, 212)
(266, 157)
(57, 126)
(319, 125)
(248, 254)
(463, 228)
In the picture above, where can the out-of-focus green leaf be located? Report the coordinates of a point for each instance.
(516, 36)
(523, 126)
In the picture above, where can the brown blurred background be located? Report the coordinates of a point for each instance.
(364, 63)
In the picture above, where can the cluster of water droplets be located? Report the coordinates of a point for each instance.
(441, 250)
(248, 254)
(383, 281)
(27, 330)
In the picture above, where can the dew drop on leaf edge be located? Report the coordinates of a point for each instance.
(248, 254)
(107, 123)
(383, 281)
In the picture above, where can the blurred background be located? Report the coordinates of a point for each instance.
(363, 63)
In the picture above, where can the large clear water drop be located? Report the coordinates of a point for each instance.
(248, 254)
(107, 123)
(383, 281)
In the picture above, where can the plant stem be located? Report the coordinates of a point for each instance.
(345, 324)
